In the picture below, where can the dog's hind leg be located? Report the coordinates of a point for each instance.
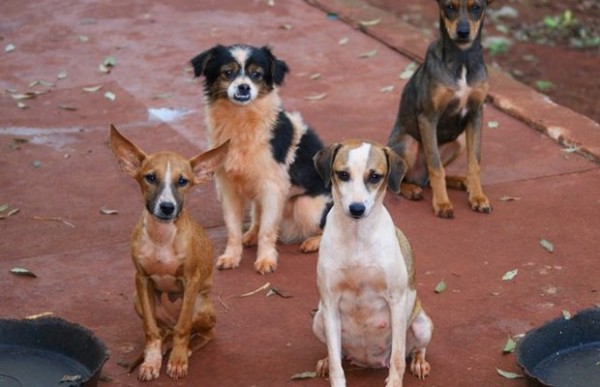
(417, 339)
(303, 219)
(251, 236)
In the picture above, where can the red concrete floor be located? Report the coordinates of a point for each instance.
(65, 171)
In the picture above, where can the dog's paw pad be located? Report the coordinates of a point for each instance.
(265, 266)
(177, 370)
(481, 204)
(444, 210)
(227, 262)
(419, 366)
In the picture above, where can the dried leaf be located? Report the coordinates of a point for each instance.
(17, 142)
(12, 212)
(61, 75)
(510, 345)
(507, 198)
(67, 107)
(36, 163)
(369, 23)
(508, 375)
(509, 275)
(22, 272)
(440, 287)
(43, 314)
(103, 69)
(315, 76)
(22, 105)
(84, 38)
(4, 207)
(493, 124)
(271, 3)
(275, 291)
(566, 314)
(109, 61)
(316, 97)
(28, 95)
(41, 83)
(108, 211)
(343, 41)
(264, 287)
(368, 54)
(92, 89)
(408, 71)
(572, 149)
(387, 89)
(304, 375)
(110, 96)
(286, 27)
(9, 47)
(547, 245)
(70, 378)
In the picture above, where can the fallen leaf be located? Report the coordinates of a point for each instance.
(304, 375)
(4, 207)
(509, 275)
(440, 287)
(17, 142)
(275, 291)
(368, 54)
(41, 83)
(566, 314)
(9, 47)
(61, 75)
(508, 375)
(264, 287)
(38, 315)
(22, 272)
(36, 163)
(387, 89)
(343, 41)
(510, 345)
(84, 38)
(572, 149)
(92, 89)
(109, 61)
(28, 95)
(110, 96)
(271, 3)
(408, 71)
(12, 212)
(103, 69)
(547, 245)
(493, 124)
(369, 23)
(67, 107)
(286, 27)
(22, 105)
(315, 76)
(507, 198)
(316, 97)
(107, 211)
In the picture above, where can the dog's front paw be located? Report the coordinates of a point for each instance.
(411, 191)
(265, 265)
(311, 244)
(177, 367)
(443, 210)
(149, 370)
(419, 366)
(480, 203)
(227, 261)
(323, 368)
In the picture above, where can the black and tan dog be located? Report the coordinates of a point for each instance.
(443, 100)
(269, 163)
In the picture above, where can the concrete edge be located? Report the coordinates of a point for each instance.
(566, 127)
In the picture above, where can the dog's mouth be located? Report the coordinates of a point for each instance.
(242, 98)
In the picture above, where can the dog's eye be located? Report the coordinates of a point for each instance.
(343, 175)
(450, 8)
(228, 74)
(476, 9)
(182, 181)
(374, 178)
(150, 178)
(256, 76)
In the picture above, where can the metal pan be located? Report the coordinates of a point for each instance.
(563, 352)
(49, 351)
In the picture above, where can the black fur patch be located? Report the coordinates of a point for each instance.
(324, 215)
(303, 172)
(282, 137)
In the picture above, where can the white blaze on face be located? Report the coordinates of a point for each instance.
(166, 195)
(356, 191)
(241, 55)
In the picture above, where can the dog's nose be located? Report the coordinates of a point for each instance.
(357, 210)
(244, 89)
(463, 30)
(167, 208)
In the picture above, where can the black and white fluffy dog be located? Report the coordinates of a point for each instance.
(269, 163)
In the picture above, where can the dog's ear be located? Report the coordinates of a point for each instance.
(200, 61)
(397, 169)
(324, 161)
(278, 67)
(129, 156)
(205, 164)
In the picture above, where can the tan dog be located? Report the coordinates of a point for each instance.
(172, 254)
(368, 309)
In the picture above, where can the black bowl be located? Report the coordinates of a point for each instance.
(49, 351)
(563, 352)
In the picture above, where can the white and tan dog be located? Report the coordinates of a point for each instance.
(368, 310)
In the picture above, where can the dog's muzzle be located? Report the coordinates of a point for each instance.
(166, 211)
(242, 93)
(356, 210)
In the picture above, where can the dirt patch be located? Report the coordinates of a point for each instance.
(551, 46)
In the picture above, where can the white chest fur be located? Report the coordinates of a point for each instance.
(463, 92)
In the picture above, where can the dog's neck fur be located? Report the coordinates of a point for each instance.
(161, 232)
(243, 124)
(361, 229)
